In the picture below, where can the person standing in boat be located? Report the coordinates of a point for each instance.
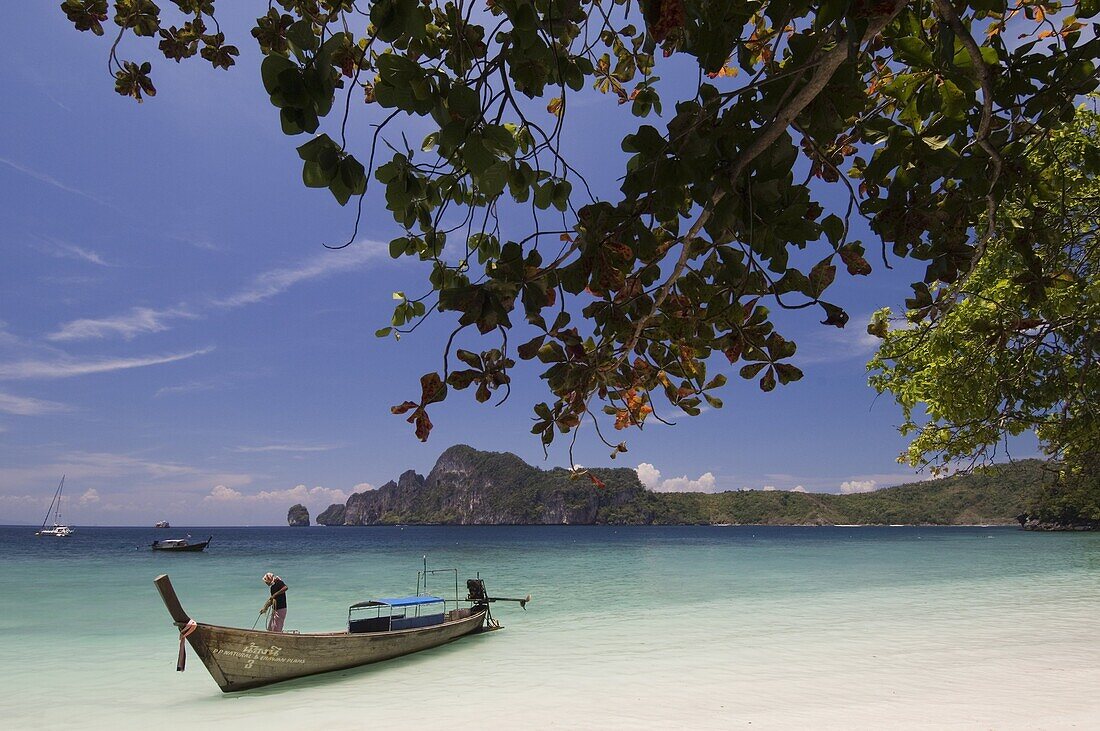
(277, 600)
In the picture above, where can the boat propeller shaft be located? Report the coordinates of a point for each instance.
(522, 602)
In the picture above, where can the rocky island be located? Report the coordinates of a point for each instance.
(472, 487)
(297, 516)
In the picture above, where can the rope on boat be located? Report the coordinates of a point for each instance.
(185, 630)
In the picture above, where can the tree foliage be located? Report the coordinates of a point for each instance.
(1014, 346)
(922, 111)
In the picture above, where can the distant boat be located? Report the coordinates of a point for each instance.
(58, 530)
(162, 524)
(181, 544)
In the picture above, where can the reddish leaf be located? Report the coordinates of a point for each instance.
(423, 425)
(431, 389)
(767, 382)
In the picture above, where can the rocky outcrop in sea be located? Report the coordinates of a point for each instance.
(298, 516)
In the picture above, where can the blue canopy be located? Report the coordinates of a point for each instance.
(401, 601)
(409, 601)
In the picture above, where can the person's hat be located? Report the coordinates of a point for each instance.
(269, 576)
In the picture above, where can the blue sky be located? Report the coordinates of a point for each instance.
(174, 337)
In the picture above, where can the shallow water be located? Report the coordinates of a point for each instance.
(640, 627)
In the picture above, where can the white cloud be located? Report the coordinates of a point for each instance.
(850, 486)
(650, 476)
(138, 321)
(798, 488)
(67, 367)
(769, 488)
(221, 493)
(288, 448)
(298, 494)
(276, 281)
(363, 487)
(24, 406)
(91, 495)
(705, 483)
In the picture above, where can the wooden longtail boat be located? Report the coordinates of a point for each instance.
(239, 659)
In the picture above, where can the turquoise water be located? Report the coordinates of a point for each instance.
(641, 627)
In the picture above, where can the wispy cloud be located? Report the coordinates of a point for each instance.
(25, 406)
(288, 448)
(833, 345)
(67, 367)
(62, 250)
(276, 281)
(49, 180)
(138, 321)
(120, 470)
(264, 286)
(188, 387)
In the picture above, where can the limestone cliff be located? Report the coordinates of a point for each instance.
(298, 516)
(469, 487)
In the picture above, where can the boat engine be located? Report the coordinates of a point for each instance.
(476, 588)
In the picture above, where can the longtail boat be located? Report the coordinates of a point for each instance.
(240, 659)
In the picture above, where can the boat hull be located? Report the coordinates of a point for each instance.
(240, 659)
(190, 548)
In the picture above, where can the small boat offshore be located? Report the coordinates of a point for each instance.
(58, 529)
(180, 545)
(378, 629)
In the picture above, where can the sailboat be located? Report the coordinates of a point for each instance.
(58, 530)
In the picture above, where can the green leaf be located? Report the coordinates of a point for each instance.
(270, 70)
(477, 156)
(301, 35)
(311, 151)
(751, 370)
(833, 227)
(314, 176)
(954, 100)
(821, 276)
(493, 179)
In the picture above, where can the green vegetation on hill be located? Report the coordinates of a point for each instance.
(997, 495)
(468, 486)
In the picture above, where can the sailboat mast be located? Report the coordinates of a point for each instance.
(57, 515)
(56, 495)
